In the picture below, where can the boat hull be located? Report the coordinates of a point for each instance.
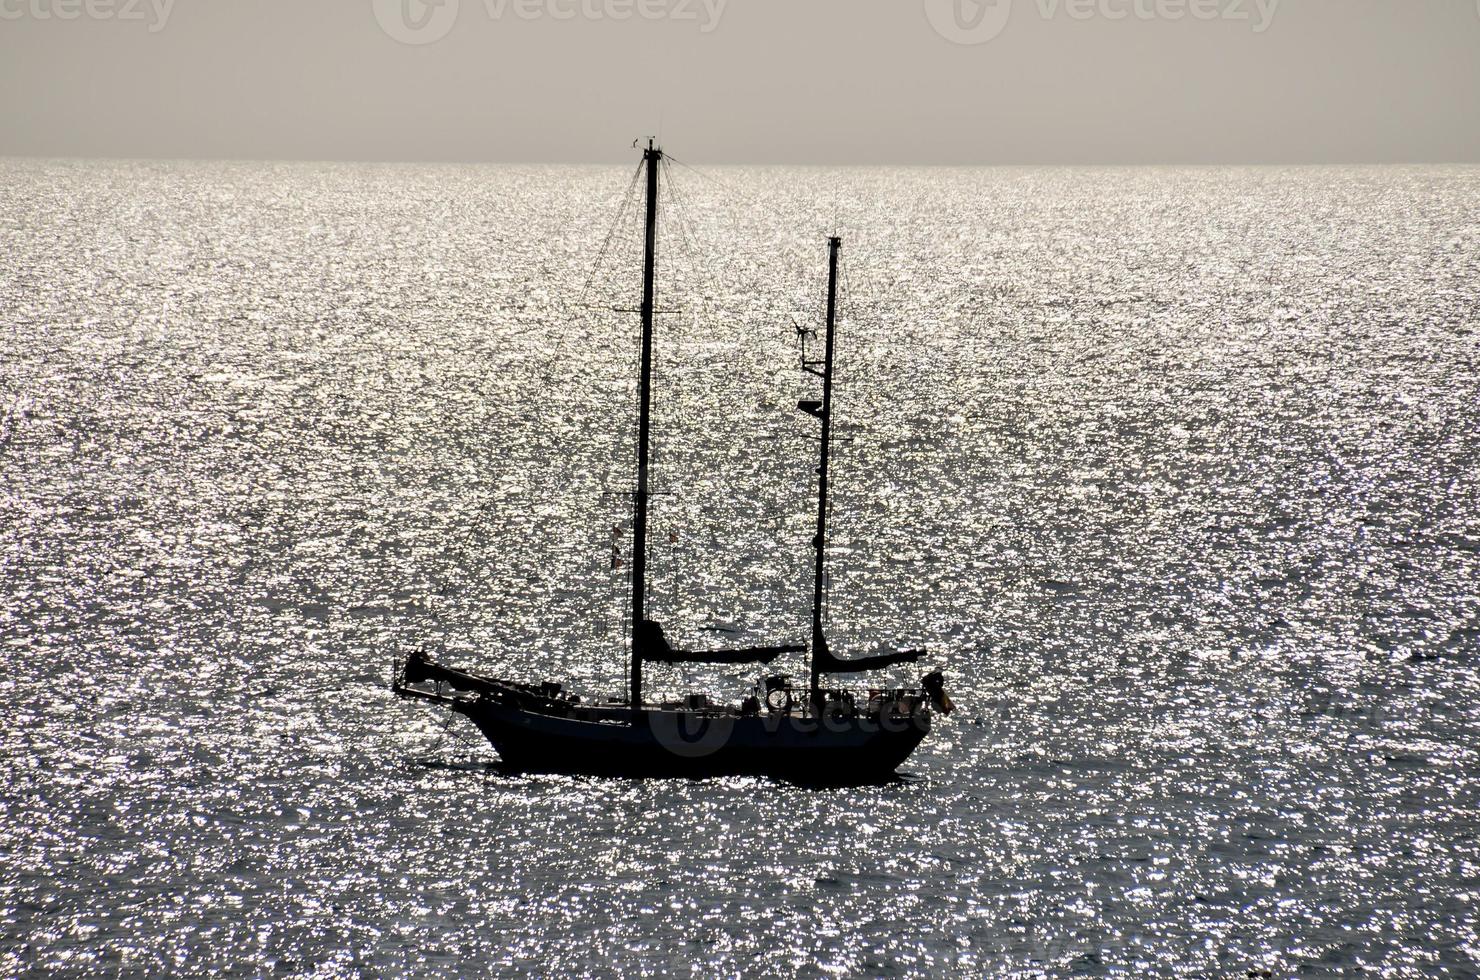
(828, 750)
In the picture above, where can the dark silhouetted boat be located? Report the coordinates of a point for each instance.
(820, 735)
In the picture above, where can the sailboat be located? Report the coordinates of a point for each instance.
(820, 735)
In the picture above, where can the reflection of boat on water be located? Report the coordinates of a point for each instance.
(819, 734)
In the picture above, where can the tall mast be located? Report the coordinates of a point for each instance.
(651, 158)
(819, 543)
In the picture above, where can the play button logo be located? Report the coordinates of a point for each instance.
(416, 21)
(968, 21)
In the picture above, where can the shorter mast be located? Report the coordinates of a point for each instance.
(823, 662)
(824, 412)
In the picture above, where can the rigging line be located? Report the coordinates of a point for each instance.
(724, 185)
(447, 727)
(683, 212)
(630, 360)
(611, 232)
(692, 237)
(660, 396)
(620, 222)
(725, 276)
(461, 550)
(460, 553)
(624, 609)
(856, 444)
(680, 217)
(657, 396)
(634, 432)
(842, 470)
(550, 375)
(703, 280)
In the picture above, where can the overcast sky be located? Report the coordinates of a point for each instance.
(824, 81)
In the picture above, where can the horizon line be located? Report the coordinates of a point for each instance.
(1189, 163)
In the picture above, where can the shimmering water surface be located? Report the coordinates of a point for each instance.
(1174, 471)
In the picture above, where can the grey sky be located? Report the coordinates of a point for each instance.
(827, 81)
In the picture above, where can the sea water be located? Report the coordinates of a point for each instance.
(1173, 471)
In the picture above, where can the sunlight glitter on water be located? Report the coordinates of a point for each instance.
(1173, 470)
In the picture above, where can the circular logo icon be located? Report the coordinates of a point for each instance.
(969, 21)
(416, 21)
(691, 736)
